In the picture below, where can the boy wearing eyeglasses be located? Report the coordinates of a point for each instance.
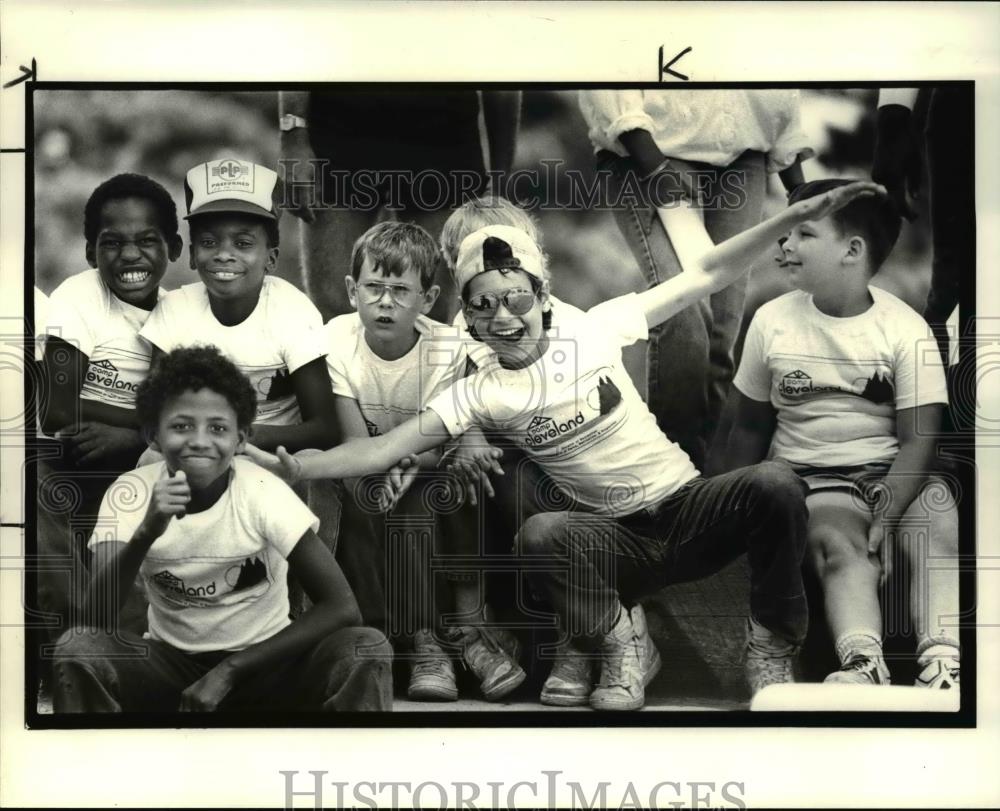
(386, 362)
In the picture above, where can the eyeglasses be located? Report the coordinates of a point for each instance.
(372, 292)
(517, 302)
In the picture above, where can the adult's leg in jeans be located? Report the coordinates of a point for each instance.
(326, 255)
(677, 354)
(950, 150)
(361, 550)
(745, 178)
(100, 672)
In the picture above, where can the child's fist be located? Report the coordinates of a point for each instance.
(170, 497)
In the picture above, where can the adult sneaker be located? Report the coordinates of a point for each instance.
(941, 673)
(860, 669)
(769, 658)
(485, 652)
(649, 656)
(623, 680)
(571, 681)
(432, 677)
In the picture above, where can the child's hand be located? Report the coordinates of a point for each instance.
(823, 205)
(473, 463)
(282, 465)
(207, 693)
(90, 442)
(397, 481)
(170, 497)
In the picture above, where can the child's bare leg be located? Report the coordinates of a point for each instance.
(838, 553)
(928, 541)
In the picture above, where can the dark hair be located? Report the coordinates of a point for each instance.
(874, 219)
(395, 247)
(121, 187)
(536, 288)
(270, 226)
(193, 369)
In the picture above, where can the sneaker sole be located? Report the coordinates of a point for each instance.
(613, 706)
(432, 693)
(512, 681)
(550, 699)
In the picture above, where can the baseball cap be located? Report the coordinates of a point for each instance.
(497, 247)
(232, 185)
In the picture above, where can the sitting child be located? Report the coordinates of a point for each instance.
(212, 536)
(94, 361)
(643, 516)
(386, 363)
(843, 381)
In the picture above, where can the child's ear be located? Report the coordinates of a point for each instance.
(352, 290)
(175, 245)
(191, 263)
(150, 436)
(271, 264)
(430, 296)
(91, 254)
(857, 251)
(543, 297)
(242, 434)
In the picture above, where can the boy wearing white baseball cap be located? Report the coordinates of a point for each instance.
(643, 516)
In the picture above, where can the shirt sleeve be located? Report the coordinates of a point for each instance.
(753, 378)
(791, 142)
(919, 372)
(282, 515)
(301, 331)
(458, 405)
(72, 319)
(124, 505)
(622, 318)
(609, 113)
(338, 344)
(158, 329)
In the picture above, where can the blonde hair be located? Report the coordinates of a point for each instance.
(482, 211)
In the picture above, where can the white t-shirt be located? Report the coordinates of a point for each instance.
(85, 313)
(216, 580)
(283, 333)
(837, 383)
(711, 126)
(389, 392)
(576, 412)
(563, 314)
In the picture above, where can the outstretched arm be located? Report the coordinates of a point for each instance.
(709, 268)
(357, 457)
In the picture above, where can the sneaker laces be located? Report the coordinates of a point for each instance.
(773, 669)
(616, 660)
(430, 659)
(866, 665)
(571, 665)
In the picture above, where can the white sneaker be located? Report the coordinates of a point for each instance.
(860, 669)
(941, 673)
(432, 677)
(626, 665)
(769, 659)
(649, 661)
(570, 682)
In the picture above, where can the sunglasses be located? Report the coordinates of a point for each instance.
(372, 292)
(517, 302)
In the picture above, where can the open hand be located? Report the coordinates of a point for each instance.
(473, 464)
(169, 498)
(823, 205)
(92, 442)
(282, 464)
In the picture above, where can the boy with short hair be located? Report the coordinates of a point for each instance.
(386, 362)
(213, 536)
(644, 517)
(843, 381)
(93, 363)
(265, 325)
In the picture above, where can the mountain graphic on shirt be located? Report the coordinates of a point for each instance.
(252, 572)
(371, 426)
(608, 395)
(104, 364)
(879, 389)
(280, 386)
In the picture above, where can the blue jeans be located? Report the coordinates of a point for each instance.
(585, 565)
(689, 361)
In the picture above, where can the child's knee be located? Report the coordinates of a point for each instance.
(832, 548)
(542, 534)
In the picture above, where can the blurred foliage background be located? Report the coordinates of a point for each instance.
(82, 137)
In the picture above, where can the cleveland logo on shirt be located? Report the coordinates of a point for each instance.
(877, 389)
(169, 581)
(542, 429)
(104, 374)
